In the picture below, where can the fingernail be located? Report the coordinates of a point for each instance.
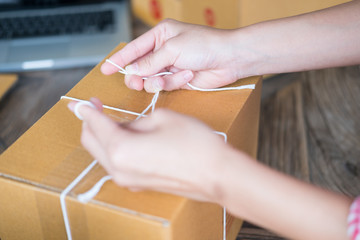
(188, 75)
(132, 85)
(77, 107)
(157, 86)
(132, 69)
(71, 106)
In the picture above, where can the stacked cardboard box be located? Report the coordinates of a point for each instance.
(46, 159)
(224, 14)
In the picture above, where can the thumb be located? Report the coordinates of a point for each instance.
(152, 63)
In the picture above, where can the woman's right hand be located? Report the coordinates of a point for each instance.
(201, 55)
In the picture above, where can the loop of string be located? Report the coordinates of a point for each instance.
(249, 86)
(90, 194)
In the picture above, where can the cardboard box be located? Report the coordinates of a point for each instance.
(230, 13)
(153, 11)
(46, 159)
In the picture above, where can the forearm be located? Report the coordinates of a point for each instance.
(283, 204)
(321, 39)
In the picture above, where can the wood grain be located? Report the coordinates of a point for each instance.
(34, 94)
(310, 129)
(6, 82)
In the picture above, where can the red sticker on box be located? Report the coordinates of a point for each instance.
(155, 9)
(209, 17)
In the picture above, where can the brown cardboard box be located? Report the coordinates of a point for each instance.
(153, 11)
(240, 13)
(6, 82)
(230, 13)
(43, 162)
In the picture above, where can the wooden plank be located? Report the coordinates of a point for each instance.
(35, 93)
(6, 82)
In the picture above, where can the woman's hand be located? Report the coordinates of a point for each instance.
(205, 56)
(165, 152)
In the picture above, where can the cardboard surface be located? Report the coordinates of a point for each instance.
(43, 162)
(6, 82)
(225, 14)
(153, 11)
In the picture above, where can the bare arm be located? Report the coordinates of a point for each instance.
(283, 204)
(321, 39)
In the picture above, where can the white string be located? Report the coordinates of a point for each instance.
(105, 106)
(222, 134)
(66, 191)
(87, 196)
(151, 105)
(78, 105)
(123, 71)
(249, 86)
(224, 208)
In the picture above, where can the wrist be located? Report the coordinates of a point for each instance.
(248, 55)
(228, 175)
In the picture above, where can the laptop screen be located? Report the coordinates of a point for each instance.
(26, 4)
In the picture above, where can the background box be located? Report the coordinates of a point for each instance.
(225, 14)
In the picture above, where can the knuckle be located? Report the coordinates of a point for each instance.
(165, 30)
(136, 50)
(147, 62)
(166, 22)
(148, 86)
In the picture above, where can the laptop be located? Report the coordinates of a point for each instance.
(54, 34)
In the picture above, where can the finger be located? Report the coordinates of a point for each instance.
(91, 144)
(168, 82)
(177, 80)
(130, 52)
(134, 82)
(154, 62)
(210, 79)
(138, 47)
(108, 68)
(97, 103)
(102, 127)
(154, 84)
(174, 69)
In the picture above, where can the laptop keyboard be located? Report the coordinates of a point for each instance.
(56, 24)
